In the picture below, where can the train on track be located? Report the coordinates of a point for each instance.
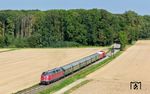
(50, 76)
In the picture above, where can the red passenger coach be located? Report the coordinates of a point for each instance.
(102, 54)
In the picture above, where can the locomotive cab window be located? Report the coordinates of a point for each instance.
(44, 73)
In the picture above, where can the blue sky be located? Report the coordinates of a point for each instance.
(115, 6)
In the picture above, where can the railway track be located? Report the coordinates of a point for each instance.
(38, 88)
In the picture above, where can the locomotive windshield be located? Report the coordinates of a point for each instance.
(44, 73)
(48, 72)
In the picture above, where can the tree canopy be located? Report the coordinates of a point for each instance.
(65, 28)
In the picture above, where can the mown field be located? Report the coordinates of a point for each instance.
(115, 78)
(20, 69)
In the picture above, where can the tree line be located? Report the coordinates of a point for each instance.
(67, 28)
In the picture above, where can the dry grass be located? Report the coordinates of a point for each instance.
(4, 49)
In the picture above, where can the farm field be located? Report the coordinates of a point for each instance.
(20, 69)
(115, 78)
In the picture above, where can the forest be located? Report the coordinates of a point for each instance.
(70, 28)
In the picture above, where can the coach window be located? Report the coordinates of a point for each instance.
(53, 71)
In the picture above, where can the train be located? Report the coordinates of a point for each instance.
(55, 74)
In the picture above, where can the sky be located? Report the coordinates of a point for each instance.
(142, 7)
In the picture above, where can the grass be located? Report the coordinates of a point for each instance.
(11, 49)
(77, 86)
(79, 75)
(63, 47)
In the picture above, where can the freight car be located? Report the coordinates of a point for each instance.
(58, 73)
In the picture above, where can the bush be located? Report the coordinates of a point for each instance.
(2, 41)
(20, 43)
(123, 39)
(64, 44)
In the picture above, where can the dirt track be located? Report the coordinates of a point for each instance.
(115, 78)
(20, 69)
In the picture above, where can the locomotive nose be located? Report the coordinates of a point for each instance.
(43, 78)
